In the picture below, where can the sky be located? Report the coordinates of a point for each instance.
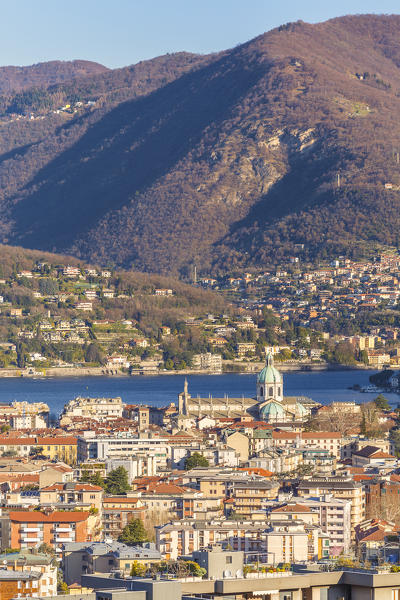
(117, 33)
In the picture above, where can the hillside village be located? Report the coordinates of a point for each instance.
(57, 318)
(344, 309)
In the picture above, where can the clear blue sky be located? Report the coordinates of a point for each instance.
(122, 32)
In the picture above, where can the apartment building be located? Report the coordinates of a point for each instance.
(118, 511)
(182, 537)
(122, 445)
(218, 455)
(104, 557)
(62, 448)
(32, 528)
(325, 440)
(339, 487)
(251, 496)
(332, 514)
(41, 566)
(180, 501)
(81, 495)
(19, 584)
(289, 541)
(99, 409)
(212, 362)
(270, 543)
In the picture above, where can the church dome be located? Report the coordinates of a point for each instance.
(269, 374)
(272, 411)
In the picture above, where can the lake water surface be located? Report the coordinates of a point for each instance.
(321, 386)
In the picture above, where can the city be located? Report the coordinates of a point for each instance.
(204, 489)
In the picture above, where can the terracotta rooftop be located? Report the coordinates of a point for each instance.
(54, 517)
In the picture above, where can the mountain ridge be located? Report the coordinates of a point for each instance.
(223, 161)
(17, 78)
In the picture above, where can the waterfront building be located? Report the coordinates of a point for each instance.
(99, 409)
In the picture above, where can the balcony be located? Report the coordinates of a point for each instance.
(30, 529)
(31, 539)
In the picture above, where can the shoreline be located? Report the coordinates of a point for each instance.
(247, 369)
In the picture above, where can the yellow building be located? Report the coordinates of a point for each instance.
(63, 448)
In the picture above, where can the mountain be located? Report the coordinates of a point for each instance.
(225, 161)
(46, 74)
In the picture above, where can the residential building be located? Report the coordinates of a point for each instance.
(122, 445)
(118, 511)
(334, 518)
(79, 495)
(104, 557)
(339, 487)
(250, 497)
(99, 409)
(32, 528)
(44, 582)
(209, 361)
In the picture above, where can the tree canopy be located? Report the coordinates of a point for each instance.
(196, 460)
(133, 533)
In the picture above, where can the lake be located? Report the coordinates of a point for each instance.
(321, 386)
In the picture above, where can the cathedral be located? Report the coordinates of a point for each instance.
(269, 405)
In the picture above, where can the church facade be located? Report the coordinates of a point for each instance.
(268, 405)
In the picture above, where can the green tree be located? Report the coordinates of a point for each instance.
(133, 533)
(138, 569)
(169, 364)
(195, 569)
(196, 460)
(48, 287)
(93, 354)
(117, 482)
(95, 479)
(344, 354)
(382, 402)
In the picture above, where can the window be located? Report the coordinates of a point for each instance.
(229, 560)
(271, 391)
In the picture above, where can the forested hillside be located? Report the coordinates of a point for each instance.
(226, 160)
(14, 79)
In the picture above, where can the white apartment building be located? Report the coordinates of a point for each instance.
(333, 515)
(93, 408)
(210, 361)
(123, 445)
(281, 542)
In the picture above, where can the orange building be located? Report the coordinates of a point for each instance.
(18, 585)
(29, 529)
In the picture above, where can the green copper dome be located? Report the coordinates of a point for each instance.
(269, 374)
(273, 411)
